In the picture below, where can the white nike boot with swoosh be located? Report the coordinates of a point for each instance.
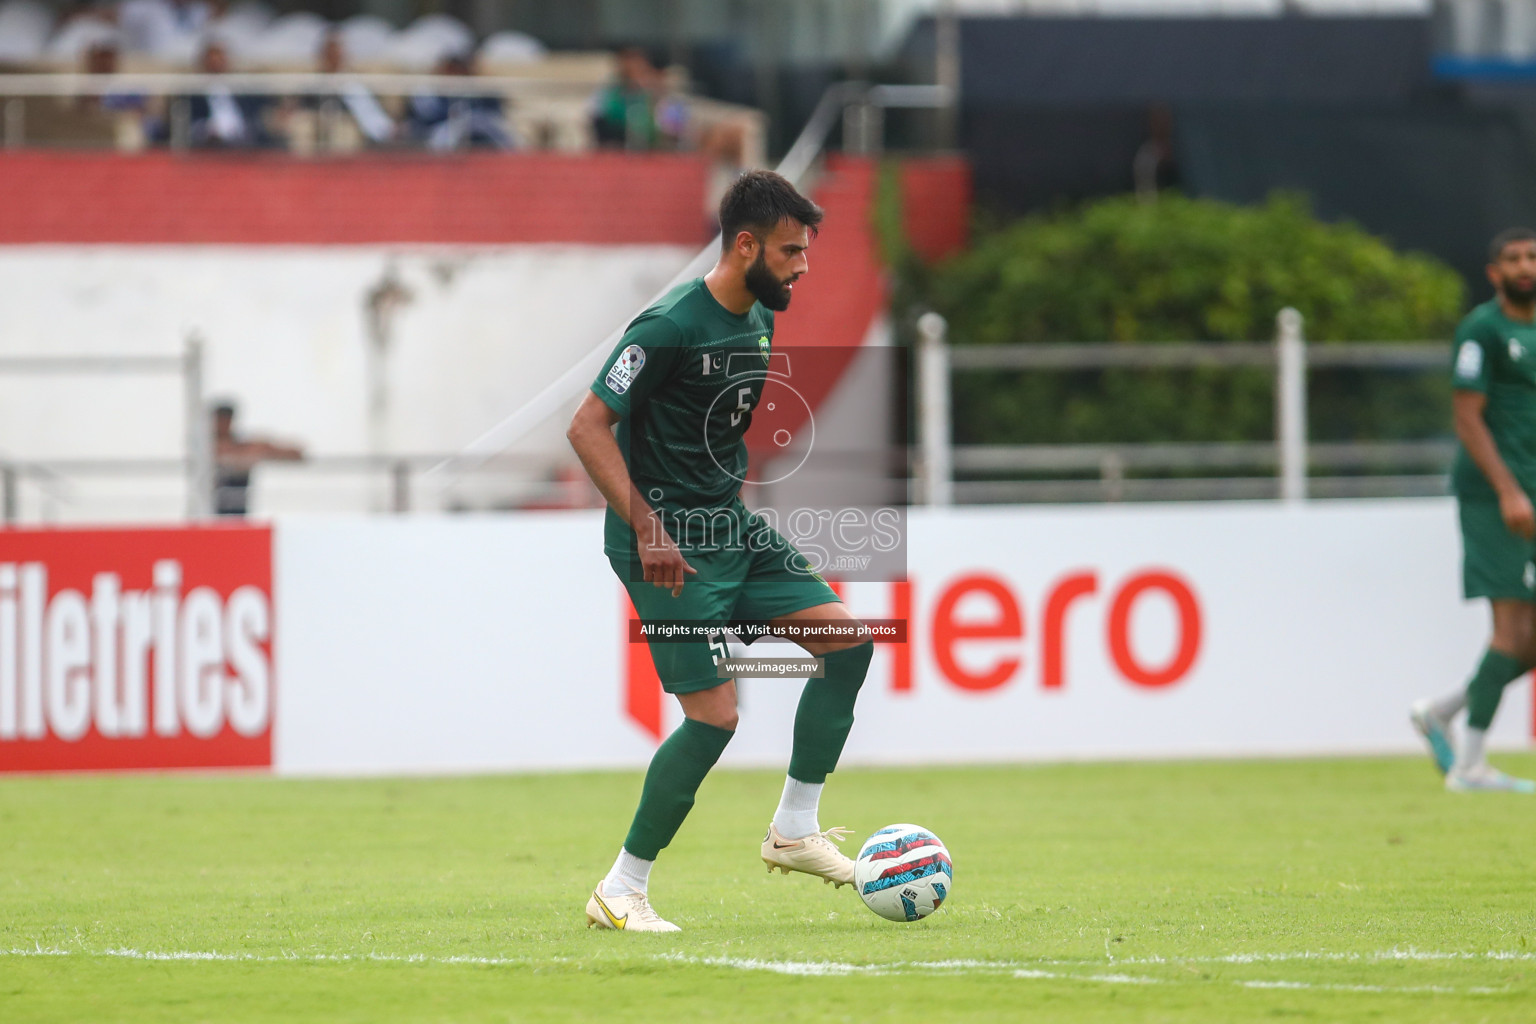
(815, 854)
(631, 912)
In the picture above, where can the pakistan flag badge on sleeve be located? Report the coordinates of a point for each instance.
(625, 369)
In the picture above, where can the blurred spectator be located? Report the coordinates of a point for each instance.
(635, 111)
(333, 54)
(446, 123)
(423, 44)
(217, 118)
(130, 112)
(115, 118)
(343, 122)
(81, 27)
(365, 109)
(724, 144)
(234, 457)
(1155, 167)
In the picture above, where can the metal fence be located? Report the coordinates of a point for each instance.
(1298, 467)
(196, 466)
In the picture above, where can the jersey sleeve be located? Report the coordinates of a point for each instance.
(644, 358)
(1475, 352)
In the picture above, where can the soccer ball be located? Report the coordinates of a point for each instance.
(903, 872)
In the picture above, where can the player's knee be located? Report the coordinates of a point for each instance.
(1519, 641)
(718, 713)
(720, 719)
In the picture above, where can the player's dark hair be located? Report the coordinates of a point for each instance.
(760, 201)
(1509, 236)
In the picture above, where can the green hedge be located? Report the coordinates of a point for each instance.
(1178, 269)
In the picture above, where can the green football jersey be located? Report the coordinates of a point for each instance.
(1497, 356)
(684, 380)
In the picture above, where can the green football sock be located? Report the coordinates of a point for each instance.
(1496, 671)
(676, 771)
(825, 714)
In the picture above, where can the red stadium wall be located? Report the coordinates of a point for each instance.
(936, 205)
(162, 198)
(598, 199)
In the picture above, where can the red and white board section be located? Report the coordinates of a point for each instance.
(136, 649)
(380, 645)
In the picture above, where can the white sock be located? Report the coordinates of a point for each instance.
(1447, 707)
(1471, 753)
(628, 872)
(796, 816)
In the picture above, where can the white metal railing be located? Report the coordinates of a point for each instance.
(1289, 456)
(196, 466)
(81, 489)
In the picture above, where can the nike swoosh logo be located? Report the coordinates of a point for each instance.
(785, 846)
(617, 922)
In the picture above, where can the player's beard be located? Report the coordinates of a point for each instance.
(1518, 293)
(766, 288)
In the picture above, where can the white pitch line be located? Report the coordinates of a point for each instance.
(1378, 956)
(282, 958)
(1031, 971)
(833, 969)
(1394, 989)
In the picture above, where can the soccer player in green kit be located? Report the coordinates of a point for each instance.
(1494, 477)
(686, 548)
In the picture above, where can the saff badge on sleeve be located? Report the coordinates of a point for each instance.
(625, 369)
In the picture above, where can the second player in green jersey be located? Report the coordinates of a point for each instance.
(1494, 376)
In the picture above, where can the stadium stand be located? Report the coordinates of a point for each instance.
(510, 87)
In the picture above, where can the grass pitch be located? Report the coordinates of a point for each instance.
(1192, 892)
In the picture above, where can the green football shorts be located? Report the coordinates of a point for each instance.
(761, 579)
(1495, 563)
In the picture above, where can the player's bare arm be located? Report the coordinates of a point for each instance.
(591, 435)
(1472, 430)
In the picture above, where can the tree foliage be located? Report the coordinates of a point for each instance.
(1121, 271)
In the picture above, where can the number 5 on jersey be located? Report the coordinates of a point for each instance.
(717, 646)
(743, 404)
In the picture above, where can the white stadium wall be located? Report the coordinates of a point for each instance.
(476, 331)
(376, 645)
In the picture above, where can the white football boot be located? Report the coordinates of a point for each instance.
(1484, 778)
(816, 854)
(631, 912)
